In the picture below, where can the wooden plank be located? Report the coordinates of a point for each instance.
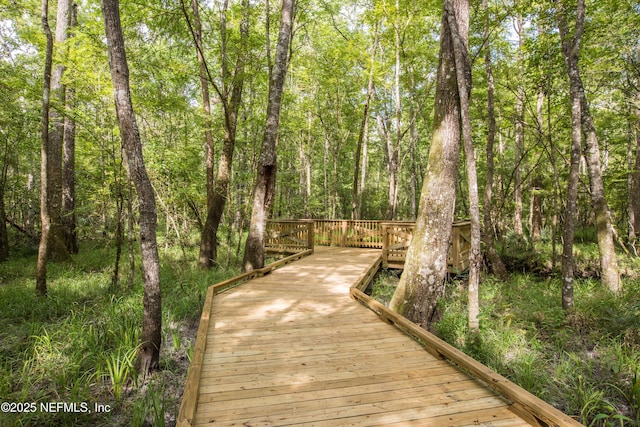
(378, 381)
(537, 407)
(189, 401)
(319, 403)
(317, 363)
(257, 354)
(190, 395)
(492, 417)
(289, 348)
(413, 405)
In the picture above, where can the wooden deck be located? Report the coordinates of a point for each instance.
(292, 348)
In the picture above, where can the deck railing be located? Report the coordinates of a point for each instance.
(397, 238)
(392, 237)
(348, 233)
(289, 236)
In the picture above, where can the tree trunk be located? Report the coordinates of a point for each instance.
(463, 77)
(115, 276)
(325, 173)
(57, 248)
(4, 237)
(267, 164)
(544, 91)
(413, 179)
(535, 226)
(361, 135)
(631, 230)
(151, 337)
(495, 262)
(519, 131)
(394, 143)
(606, 247)
(556, 183)
(536, 208)
(69, 221)
(363, 167)
(422, 282)
(231, 106)
(307, 166)
(52, 240)
(43, 249)
(635, 175)
(568, 261)
(206, 99)
(130, 236)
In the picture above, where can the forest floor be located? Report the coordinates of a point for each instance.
(586, 364)
(77, 346)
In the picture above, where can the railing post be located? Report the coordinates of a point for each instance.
(343, 242)
(385, 245)
(455, 246)
(310, 233)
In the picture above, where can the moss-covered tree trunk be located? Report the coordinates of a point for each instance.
(151, 337)
(463, 76)
(422, 281)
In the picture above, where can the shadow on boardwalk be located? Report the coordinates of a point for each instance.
(293, 348)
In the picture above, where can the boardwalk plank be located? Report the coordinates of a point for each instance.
(328, 389)
(291, 348)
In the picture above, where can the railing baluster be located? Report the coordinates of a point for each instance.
(393, 237)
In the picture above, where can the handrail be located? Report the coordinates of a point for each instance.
(392, 237)
(287, 236)
(533, 409)
(190, 396)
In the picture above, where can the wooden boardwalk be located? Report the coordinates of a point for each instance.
(292, 348)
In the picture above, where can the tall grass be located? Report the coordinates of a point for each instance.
(79, 343)
(586, 363)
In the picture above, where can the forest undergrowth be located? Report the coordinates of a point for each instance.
(586, 363)
(78, 345)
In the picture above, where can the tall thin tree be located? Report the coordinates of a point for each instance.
(495, 262)
(571, 51)
(57, 247)
(69, 220)
(151, 337)
(267, 163)
(519, 132)
(4, 236)
(230, 94)
(43, 249)
(568, 261)
(362, 135)
(634, 143)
